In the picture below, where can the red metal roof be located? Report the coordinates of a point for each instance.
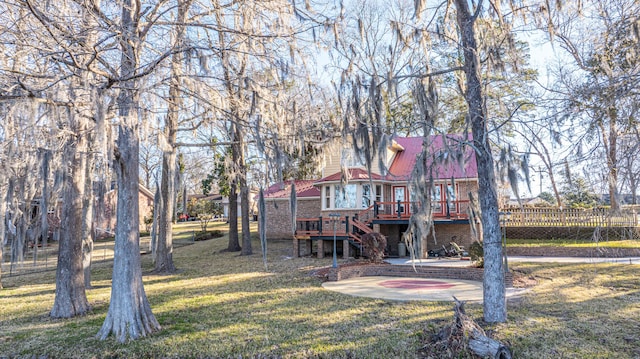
(304, 188)
(354, 174)
(442, 156)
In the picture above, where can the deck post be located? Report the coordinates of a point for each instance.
(320, 224)
(345, 249)
(308, 249)
(346, 225)
(320, 243)
(398, 209)
(296, 247)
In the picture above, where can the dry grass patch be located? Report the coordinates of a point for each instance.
(573, 243)
(576, 311)
(225, 305)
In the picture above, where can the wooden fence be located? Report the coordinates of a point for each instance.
(555, 217)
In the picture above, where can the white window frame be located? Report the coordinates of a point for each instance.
(326, 197)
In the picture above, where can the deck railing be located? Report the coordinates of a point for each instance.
(323, 226)
(555, 217)
(404, 209)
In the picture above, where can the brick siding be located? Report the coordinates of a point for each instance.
(278, 215)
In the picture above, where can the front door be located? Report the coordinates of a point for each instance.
(400, 194)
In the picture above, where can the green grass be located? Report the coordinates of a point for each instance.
(223, 305)
(572, 243)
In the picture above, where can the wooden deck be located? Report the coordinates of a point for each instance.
(379, 213)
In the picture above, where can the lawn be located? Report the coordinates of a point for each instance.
(576, 243)
(224, 305)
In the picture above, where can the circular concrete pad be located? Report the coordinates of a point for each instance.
(397, 288)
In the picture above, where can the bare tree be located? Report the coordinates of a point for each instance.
(164, 252)
(129, 312)
(599, 89)
(494, 293)
(70, 299)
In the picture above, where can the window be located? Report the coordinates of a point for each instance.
(451, 198)
(399, 195)
(350, 159)
(345, 196)
(379, 195)
(327, 197)
(436, 199)
(366, 195)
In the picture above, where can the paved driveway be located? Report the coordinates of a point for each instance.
(403, 289)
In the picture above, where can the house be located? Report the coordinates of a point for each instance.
(252, 204)
(105, 210)
(192, 201)
(356, 201)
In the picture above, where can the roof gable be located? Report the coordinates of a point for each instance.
(353, 174)
(444, 158)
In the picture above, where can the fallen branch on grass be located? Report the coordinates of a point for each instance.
(464, 335)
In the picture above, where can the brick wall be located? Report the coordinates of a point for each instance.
(105, 216)
(445, 234)
(464, 273)
(278, 215)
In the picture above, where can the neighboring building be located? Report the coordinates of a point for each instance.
(252, 204)
(105, 216)
(378, 202)
(278, 206)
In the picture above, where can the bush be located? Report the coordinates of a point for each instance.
(476, 252)
(203, 236)
(373, 246)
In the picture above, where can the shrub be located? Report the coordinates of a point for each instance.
(373, 246)
(476, 252)
(203, 236)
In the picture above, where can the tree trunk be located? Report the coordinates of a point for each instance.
(164, 253)
(129, 312)
(494, 291)
(164, 245)
(44, 200)
(3, 221)
(18, 241)
(244, 191)
(71, 298)
(234, 243)
(88, 233)
(157, 210)
(613, 162)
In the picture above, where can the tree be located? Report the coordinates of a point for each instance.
(494, 291)
(577, 194)
(598, 90)
(70, 299)
(164, 251)
(129, 313)
(206, 210)
(548, 197)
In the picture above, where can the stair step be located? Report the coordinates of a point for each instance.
(361, 226)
